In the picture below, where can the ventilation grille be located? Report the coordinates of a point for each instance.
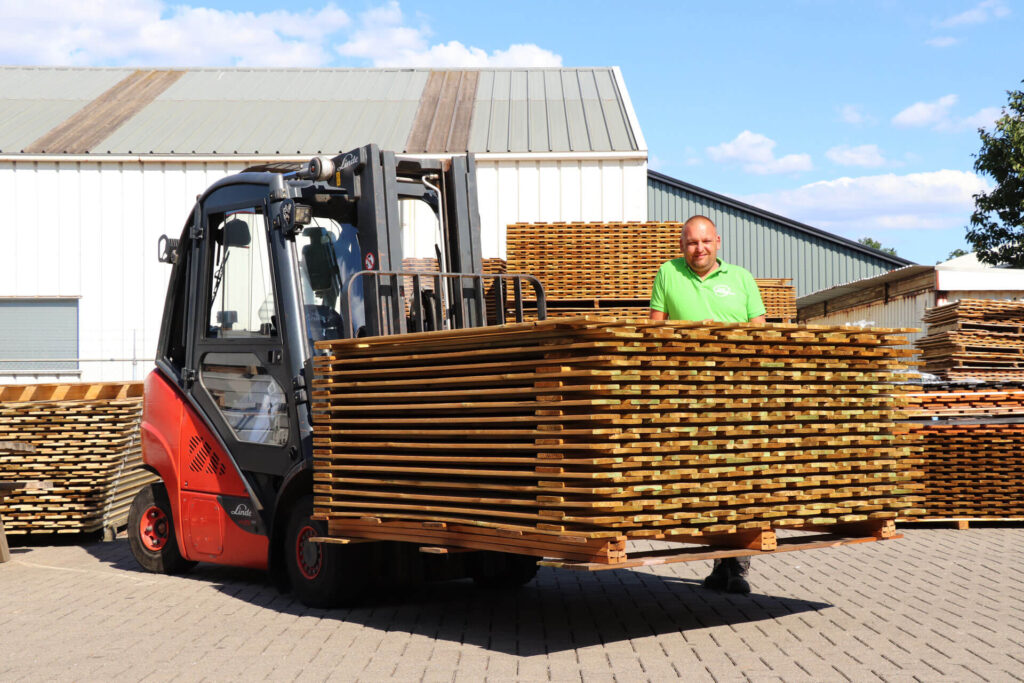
(203, 458)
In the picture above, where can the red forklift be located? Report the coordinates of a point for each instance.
(270, 261)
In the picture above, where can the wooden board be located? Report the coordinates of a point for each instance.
(84, 464)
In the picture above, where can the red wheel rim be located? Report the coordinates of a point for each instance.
(308, 557)
(154, 528)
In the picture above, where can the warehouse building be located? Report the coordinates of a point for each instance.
(97, 163)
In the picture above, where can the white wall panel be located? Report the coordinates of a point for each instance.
(525, 191)
(90, 230)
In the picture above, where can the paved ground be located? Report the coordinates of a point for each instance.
(939, 605)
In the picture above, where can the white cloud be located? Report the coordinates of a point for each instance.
(852, 113)
(385, 40)
(852, 207)
(157, 33)
(862, 155)
(756, 154)
(984, 118)
(926, 113)
(938, 115)
(151, 32)
(942, 41)
(979, 14)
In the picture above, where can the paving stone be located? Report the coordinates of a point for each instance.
(940, 604)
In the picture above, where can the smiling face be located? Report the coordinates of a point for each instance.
(700, 243)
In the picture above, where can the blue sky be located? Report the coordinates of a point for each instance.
(858, 117)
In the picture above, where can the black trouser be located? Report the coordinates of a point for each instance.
(733, 566)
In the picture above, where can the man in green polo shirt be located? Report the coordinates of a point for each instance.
(700, 286)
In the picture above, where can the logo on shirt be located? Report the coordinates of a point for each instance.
(724, 290)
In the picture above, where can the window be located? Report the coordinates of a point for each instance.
(34, 330)
(328, 258)
(242, 298)
(250, 399)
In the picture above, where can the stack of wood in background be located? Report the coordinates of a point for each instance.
(608, 268)
(973, 458)
(491, 266)
(597, 429)
(84, 467)
(974, 339)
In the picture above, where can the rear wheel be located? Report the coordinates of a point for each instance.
(321, 574)
(503, 570)
(151, 532)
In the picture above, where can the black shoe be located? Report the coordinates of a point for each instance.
(736, 584)
(717, 580)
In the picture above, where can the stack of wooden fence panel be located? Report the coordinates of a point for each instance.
(593, 428)
(608, 268)
(86, 464)
(975, 339)
(973, 458)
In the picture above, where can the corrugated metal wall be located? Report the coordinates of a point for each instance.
(557, 190)
(764, 247)
(90, 230)
(902, 312)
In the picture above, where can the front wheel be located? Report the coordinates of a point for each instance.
(151, 532)
(322, 575)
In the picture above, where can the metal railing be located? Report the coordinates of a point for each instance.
(455, 300)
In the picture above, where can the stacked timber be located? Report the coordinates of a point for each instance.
(429, 266)
(79, 464)
(978, 339)
(973, 457)
(592, 428)
(588, 268)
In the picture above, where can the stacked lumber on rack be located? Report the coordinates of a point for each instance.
(977, 339)
(608, 268)
(547, 435)
(82, 464)
(973, 458)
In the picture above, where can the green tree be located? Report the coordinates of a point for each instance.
(997, 224)
(875, 244)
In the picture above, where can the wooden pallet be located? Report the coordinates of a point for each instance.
(568, 551)
(84, 462)
(972, 466)
(974, 339)
(598, 429)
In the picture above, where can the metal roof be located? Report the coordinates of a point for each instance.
(859, 285)
(100, 111)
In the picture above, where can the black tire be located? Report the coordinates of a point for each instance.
(494, 570)
(151, 534)
(322, 575)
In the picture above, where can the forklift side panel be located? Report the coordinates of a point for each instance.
(212, 535)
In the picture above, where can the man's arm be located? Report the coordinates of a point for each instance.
(661, 315)
(757, 319)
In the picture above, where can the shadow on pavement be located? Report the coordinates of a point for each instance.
(560, 610)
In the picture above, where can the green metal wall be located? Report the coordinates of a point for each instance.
(765, 244)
